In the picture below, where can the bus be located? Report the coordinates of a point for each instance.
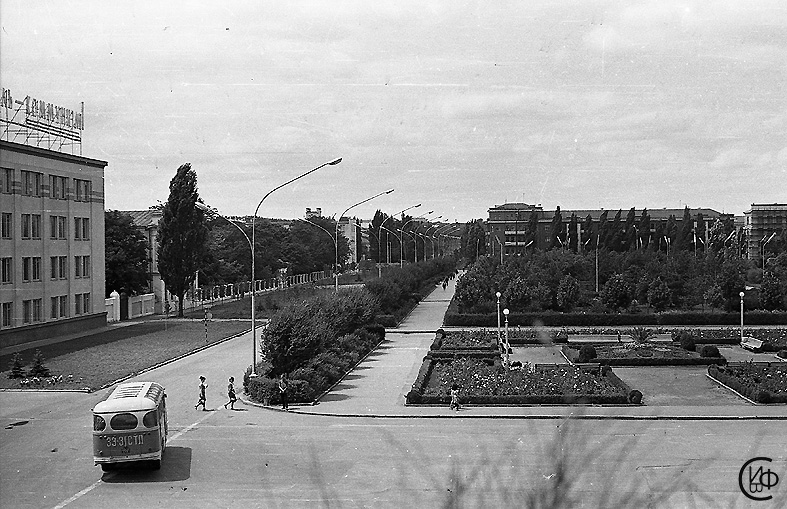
(130, 426)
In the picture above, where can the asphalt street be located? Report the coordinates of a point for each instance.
(361, 447)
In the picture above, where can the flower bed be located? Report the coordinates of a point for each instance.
(464, 340)
(762, 382)
(485, 384)
(643, 355)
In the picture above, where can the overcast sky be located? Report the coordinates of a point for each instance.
(457, 105)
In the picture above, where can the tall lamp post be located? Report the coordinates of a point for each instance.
(741, 295)
(763, 250)
(401, 248)
(336, 278)
(497, 294)
(383, 223)
(506, 359)
(253, 273)
(399, 238)
(205, 208)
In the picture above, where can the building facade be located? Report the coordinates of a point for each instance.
(515, 228)
(146, 221)
(764, 224)
(51, 243)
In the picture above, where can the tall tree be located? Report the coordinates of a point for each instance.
(630, 231)
(644, 229)
(572, 232)
(181, 234)
(474, 240)
(683, 242)
(126, 255)
(556, 232)
(616, 232)
(603, 229)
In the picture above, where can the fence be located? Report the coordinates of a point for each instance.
(139, 305)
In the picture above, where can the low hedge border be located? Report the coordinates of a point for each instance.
(626, 397)
(452, 318)
(572, 354)
(752, 394)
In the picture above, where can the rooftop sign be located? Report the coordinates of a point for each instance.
(33, 121)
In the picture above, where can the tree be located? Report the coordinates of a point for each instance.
(572, 233)
(659, 294)
(567, 293)
(473, 240)
(556, 233)
(617, 292)
(615, 233)
(644, 229)
(771, 292)
(126, 257)
(630, 231)
(182, 234)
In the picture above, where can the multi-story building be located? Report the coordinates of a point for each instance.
(510, 226)
(146, 221)
(51, 243)
(763, 224)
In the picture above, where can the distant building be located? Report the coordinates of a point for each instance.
(51, 244)
(763, 222)
(312, 213)
(146, 222)
(508, 225)
(350, 227)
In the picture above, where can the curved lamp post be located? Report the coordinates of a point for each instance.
(336, 278)
(397, 238)
(415, 245)
(253, 273)
(383, 223)
(205, 208)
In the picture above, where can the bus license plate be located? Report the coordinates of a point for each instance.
(125, 440)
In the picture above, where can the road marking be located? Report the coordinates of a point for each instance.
(93, 486)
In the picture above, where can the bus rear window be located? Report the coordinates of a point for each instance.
(123, 421)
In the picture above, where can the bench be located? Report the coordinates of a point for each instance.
(751, 343)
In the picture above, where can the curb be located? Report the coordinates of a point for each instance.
(731, 389)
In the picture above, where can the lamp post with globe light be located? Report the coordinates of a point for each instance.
(506, 359)
(741, 295)
(497, 294)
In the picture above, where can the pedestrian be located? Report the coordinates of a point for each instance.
(283, 392)
(202, 398)
(445, 283)
(231, 394)
(454, 397)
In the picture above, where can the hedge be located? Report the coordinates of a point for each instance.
(453, 318)
(572, 354)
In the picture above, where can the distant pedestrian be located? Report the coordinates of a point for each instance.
(231, 394)
(202, 397)
(454, 397)
(283, 392)
(445, 283)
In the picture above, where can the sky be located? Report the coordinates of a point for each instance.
(457, 105)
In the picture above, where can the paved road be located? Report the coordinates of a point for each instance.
(256, 457)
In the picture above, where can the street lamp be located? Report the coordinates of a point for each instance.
(336, 278)
(205, 208)
(505, 312)
(383, 222)
(741, 294)
(253, 256)
(763, 250)
(397, 238)
(498, 318)
(401, 248)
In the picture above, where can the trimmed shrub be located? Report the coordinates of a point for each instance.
(782, 354)
(17, 367)
(635, 397)
(686, 339)
(586, 353)
(709, 351)
(38, 368)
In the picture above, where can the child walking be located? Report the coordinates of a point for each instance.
(454, 397)
(202, 398)
(231, 394)
(283, 392)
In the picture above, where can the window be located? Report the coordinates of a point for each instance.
(59, 307)
(63, 306)
(81, 303)
(81, 228)
(77, 266)
(7, 312)
(31, 310)
(85, 266)
(31, 183)
(55, 307)
(82, 189)
(35, 226)
(57, 187)
(6, 270)
(25, 226)
(78, 304)
(86, 303)
(59, 267)
(27, 268)
(57, 227)
(6, 180)
(36, 268)
(6, 225)
(53, 267)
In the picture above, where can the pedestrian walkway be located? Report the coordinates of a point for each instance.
(378, 385)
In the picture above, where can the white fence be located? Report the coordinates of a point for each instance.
(139, 305)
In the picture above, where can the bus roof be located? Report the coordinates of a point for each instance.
(132, 396)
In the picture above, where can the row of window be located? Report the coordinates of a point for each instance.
(31, 268)
(31, 227)
(32, 184)
(32, 310)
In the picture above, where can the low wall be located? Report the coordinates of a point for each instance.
(29, 333)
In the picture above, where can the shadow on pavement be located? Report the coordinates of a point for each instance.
(334, 397)
(175, 466)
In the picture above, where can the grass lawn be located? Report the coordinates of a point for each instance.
(98, 359)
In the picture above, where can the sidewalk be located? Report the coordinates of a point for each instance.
(378, 385)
